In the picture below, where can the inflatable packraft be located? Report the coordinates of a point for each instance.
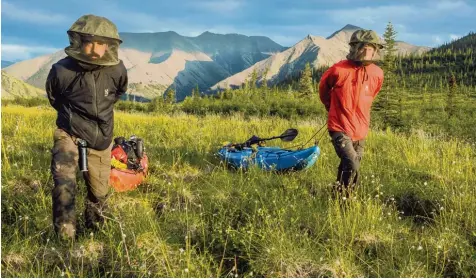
(129, 164)
(269, 158)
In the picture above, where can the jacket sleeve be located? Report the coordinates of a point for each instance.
(379, 86)
(326, 84)
(123, 81)
(52, 88)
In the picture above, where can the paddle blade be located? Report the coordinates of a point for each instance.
(289, 135)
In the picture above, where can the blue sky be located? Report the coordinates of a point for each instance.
(31, 27)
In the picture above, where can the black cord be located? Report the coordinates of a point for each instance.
(302, 145)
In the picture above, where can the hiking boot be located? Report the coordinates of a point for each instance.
(93, 215)
(67, 231)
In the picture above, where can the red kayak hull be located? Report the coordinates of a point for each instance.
(126, 180)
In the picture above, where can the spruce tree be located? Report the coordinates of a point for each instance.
(389, 103)
(170, 96)
(305, 86)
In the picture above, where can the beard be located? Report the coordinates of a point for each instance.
(357, 54)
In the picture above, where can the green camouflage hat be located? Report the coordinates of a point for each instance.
(366, 36)
(91, 27)
(95, 26)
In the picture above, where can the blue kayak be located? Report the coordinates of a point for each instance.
(270, 158)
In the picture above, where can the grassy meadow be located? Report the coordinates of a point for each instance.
(413, 216)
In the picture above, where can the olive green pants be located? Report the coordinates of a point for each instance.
(64, 166)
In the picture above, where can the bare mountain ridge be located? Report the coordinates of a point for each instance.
(316, 50)
(157, 61)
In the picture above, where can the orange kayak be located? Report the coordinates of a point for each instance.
(126, 179)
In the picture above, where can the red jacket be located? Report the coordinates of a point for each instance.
(347, 90)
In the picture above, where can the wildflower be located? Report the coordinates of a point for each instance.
(62, 273)
(344, 198)
(181, 250)
(26, 217)
(442, 208)
(426, 183)
(124, 235)
(186, 270)
(91, 234)
(420, 248)
(53, 249)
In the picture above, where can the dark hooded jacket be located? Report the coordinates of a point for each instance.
(83, 92)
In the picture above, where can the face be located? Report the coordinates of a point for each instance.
(366, 52)
(94, 49)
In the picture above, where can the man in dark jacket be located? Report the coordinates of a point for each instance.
(83, 88)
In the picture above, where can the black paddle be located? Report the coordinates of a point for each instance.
(288, 135)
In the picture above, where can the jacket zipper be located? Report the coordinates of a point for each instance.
(96, 104)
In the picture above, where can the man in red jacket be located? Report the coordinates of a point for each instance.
(347, 90)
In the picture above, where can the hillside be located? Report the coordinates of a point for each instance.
(157, 61)
(318, 51)
(435, 67)
(162, 60)
(414, 214)
(13, 87)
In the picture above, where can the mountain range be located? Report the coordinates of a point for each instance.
(163, 60)
(316, 50)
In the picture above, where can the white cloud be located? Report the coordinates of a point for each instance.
(372, 15)
(451, 5)
(219, 6)
(397, 13)
(14, 12)
(15, 52)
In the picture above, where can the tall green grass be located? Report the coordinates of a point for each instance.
(413, 216)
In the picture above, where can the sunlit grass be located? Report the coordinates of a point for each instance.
(413, 216)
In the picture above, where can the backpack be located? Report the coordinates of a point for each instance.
(127, 154)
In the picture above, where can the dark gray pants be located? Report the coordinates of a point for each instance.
(350, 154)
(64, 165)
